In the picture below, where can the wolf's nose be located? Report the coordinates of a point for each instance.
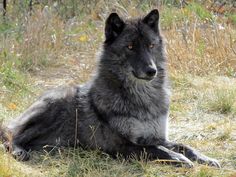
(150, 71)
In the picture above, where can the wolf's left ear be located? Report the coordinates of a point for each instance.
(114, 26)
(152, 20)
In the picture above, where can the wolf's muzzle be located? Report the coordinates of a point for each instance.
(148, 73)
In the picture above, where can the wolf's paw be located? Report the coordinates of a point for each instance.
(174, 158)
(208, 161)
(180, 160)
(214, 163)
(20, 154)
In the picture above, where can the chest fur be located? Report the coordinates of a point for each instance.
(149, 131)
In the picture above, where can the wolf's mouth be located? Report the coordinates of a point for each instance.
(147, 78)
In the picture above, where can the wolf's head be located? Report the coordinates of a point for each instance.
(133, 49)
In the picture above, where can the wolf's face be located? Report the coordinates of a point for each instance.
(133, 48)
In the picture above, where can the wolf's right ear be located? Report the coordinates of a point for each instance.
(152, 20)
(114, 26)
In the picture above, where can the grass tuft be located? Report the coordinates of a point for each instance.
(221, 100)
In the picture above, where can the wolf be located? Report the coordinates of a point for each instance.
(123, 110)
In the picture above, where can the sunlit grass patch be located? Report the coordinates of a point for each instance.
(10, 167)
(220, 100)
(205, 172)
(5, 168)
(221, 130)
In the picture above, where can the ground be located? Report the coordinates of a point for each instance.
(210, 132)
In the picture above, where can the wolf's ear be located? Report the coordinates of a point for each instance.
(114, 26)
(152, 20)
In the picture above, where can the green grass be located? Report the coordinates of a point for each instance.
(11, 78)
(233, 18)
(200, 11)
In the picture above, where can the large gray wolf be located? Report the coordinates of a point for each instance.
(122, 110)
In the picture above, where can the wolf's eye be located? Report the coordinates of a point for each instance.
(130, 47)
(151, 46)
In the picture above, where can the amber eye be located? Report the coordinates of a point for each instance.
(130, 46)
(151, 46)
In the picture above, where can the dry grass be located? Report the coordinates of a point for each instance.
(46, 50)
(202, 50)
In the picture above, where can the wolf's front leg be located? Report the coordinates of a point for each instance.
(191, 154)
(154, 153)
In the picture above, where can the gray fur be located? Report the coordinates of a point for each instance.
(123, 109)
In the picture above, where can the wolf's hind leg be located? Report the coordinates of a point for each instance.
(192, 154)
(20, 154)
(16, 151)
(15, 147)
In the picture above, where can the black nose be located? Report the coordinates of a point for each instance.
(150, 71)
